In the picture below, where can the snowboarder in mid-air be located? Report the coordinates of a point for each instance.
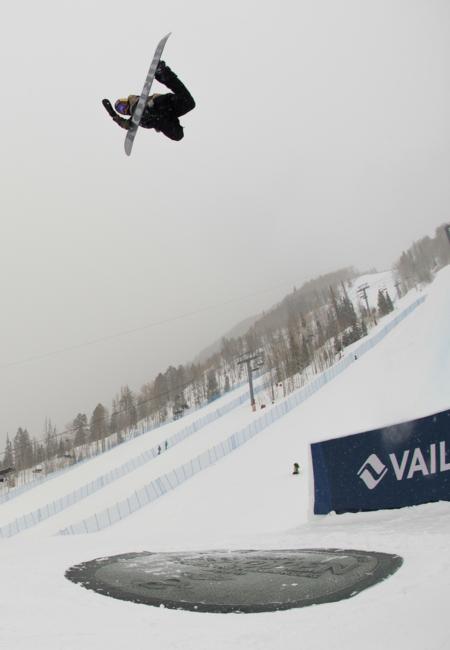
(161, 111)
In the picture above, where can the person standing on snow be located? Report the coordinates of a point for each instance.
(161, 111)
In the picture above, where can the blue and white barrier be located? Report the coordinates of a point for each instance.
(67, 500)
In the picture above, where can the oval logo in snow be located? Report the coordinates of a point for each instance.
(236, 581)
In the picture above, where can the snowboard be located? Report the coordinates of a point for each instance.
(136, 118)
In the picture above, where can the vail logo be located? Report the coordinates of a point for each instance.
(414, 461)
(372, 471)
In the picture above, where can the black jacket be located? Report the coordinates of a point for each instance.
(161, 114)
(162, 111)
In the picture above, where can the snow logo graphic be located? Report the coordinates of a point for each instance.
(372, 471)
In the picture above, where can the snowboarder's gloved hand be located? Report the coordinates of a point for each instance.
(121, 121)
(107, 104)
(162, 72)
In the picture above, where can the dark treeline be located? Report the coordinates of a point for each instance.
(304, 333)
(156, 402)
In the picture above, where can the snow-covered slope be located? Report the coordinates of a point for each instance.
(251, 500)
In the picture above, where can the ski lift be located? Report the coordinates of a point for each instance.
(5, 474)
(6, 470)
(258, 361)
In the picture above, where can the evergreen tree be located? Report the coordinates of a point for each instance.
(320, 333)
(212, 387)
(252, 341)
(23, 449)
(337, 345)
(51, 442)
(171, 376)
(306, 355)
(348, 313)
(38, 452)
(61, 448)
(332, 324)
(442, 246)
(293, 364)
(127, 406)
(144, 403)
(8, 457)
(161, 392)
(389, 303)
(335, 307)
(198, 385)
(80, 426)
(99, 423)
(382, 305)
(115, 422)
(355, 332)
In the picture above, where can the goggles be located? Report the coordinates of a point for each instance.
(122, 106)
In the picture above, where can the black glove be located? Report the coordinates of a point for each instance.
(121, 121)
(162, 72)
(107, 104)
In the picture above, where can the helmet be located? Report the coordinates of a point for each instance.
(122, 106)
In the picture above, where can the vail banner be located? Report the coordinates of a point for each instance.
(402, 465)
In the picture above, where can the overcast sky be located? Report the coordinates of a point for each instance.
(320, 140)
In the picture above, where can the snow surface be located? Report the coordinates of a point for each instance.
(250, 500)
